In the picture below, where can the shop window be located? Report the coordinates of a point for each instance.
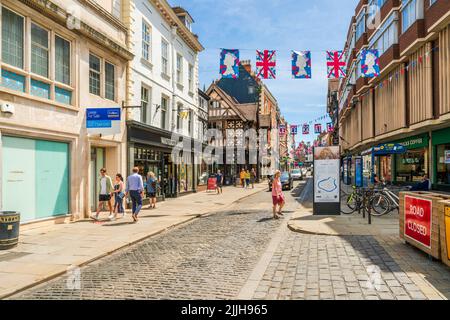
(411, 166)
(443, 164)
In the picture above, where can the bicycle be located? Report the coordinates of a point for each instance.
(370, 200)
(352, 201)
(393, 201)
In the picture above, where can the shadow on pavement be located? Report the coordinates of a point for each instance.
(154, 216)
(265, 220)
(119, 224)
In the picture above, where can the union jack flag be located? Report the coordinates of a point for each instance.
(318, 128)
(336, 64)
(305, 129)
(282, 130)
(266, 63)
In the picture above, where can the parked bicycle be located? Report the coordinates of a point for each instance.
(367, 199)
(392, 198)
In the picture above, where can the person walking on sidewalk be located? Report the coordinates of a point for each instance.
(242, 177)
(253, 178)
(119, 194)
(277, 195)
(219, 182)
(152, 185)
(135, 189)
(106, 188)
(247, 179)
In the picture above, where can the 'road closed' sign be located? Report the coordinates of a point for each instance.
(418, 220)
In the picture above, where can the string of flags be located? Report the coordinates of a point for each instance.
(306, 127)
(400, 72)
(266, 64)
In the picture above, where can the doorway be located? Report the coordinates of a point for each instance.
(97, 162)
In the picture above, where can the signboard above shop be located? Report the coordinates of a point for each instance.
(104, 121)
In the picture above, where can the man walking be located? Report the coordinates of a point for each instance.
(219, 182)
(106, 188)
(135, 188)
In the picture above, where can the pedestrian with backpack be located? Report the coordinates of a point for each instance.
(152, 185)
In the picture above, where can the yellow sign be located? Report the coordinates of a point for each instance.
(447, 229)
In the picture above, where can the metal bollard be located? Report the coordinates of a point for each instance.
(364, 203)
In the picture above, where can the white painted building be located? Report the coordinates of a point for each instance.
(164, 82)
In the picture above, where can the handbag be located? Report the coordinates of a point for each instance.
(280, 198)
(121, 195)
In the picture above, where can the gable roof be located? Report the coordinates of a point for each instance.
(247, 112)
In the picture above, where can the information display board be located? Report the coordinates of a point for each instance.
(327, 181)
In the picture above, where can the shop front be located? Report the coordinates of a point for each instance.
(150, 149)
(35, 177)
(412, 166)
(441, 156)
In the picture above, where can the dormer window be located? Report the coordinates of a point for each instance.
(188, 25)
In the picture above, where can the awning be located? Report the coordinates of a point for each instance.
(385, 149)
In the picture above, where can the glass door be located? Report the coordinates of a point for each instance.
(97, 162)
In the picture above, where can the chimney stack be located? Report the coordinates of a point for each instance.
(247, 64)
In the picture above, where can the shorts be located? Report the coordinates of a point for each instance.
(152, 194)
(104, 197)
(277, 200)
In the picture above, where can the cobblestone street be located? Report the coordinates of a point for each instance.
(216, 257)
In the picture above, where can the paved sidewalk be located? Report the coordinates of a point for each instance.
(50, 251)
(431, 277)
(304, 221)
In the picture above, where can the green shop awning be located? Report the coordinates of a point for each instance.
(441, 136)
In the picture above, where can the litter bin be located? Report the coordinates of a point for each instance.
(9, 229)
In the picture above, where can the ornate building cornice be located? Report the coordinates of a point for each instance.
(169, 15)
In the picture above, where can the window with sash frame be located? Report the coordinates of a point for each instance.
(39, 50)
(12, 38)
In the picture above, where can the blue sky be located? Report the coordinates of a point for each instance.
(281, 25)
